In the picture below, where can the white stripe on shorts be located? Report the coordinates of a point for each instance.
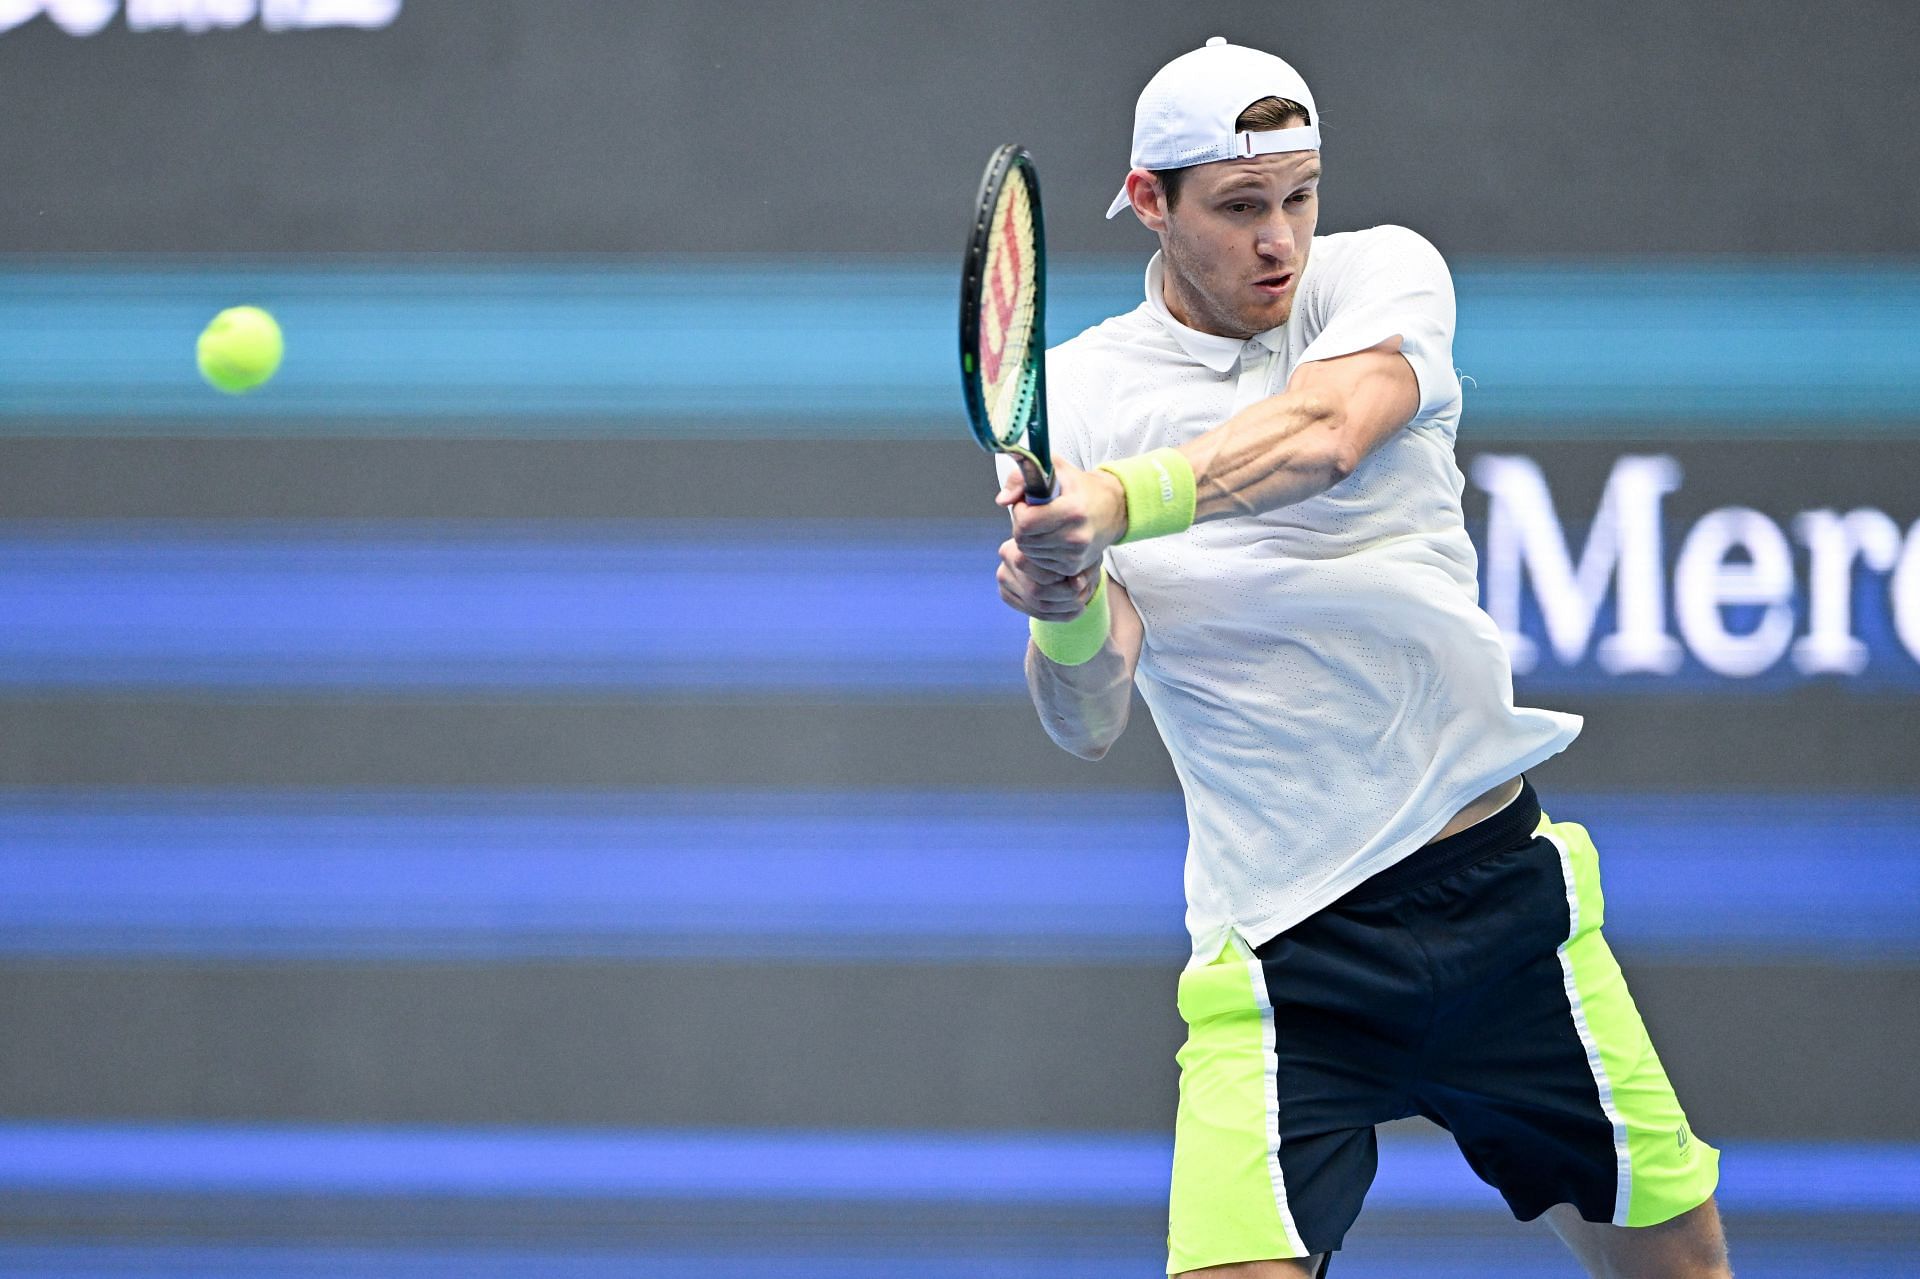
(1270, 1082)
(1623, 1177)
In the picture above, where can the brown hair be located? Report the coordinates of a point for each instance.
(1267, 113)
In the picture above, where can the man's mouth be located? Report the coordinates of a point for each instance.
(1274, 285)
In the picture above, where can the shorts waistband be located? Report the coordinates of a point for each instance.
(1509, 828)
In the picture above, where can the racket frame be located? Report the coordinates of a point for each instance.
(1009, 163)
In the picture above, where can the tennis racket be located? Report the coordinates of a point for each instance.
(1002, 320)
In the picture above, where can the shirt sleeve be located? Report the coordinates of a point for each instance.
(1397, 283)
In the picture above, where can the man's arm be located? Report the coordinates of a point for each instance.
(1084, 708)
(1281, 450)
(1302, 442)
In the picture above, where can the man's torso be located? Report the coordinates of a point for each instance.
(1330, 692)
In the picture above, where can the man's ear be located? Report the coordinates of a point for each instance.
(1149, 199)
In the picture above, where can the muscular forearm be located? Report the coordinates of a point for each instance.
(1084, 708)
(1303, 441)
(1281, 450)
(1271, 454)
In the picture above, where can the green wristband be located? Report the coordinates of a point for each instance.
(1077, 642)
(1160, 493)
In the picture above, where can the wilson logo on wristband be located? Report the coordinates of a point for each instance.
(1160, 493)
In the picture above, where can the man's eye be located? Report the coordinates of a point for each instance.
(1300, 197)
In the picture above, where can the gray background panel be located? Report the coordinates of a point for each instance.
(1754, 1051)
(744, 126)
(1814, 740)
(941, 476)
(1621, 133)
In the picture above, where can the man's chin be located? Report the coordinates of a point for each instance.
(1272, 316)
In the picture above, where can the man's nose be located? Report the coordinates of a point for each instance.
(1275, 241)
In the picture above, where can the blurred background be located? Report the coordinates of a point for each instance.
(545, 786)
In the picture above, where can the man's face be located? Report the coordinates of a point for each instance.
(1236, 240)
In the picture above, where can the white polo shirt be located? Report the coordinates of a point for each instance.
(1322, 674)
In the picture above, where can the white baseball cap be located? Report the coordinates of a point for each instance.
(1185, 114)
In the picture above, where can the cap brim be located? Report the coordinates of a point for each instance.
(1119, 202)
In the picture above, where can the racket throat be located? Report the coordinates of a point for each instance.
(1042, 485)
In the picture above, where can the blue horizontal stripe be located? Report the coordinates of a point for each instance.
(857, 347)
(867, 347)
(834, 1255)
(829, 1256)
(888, 1167)
(639, 606)
(1667, 344)
(844, 876)
(639, 1165)
(717, 607)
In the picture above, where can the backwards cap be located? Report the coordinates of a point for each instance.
(1185, 114)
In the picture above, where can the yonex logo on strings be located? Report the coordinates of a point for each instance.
(1733, 558)
(90, 17)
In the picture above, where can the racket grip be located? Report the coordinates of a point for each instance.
(1042, 486)
(1077, 642)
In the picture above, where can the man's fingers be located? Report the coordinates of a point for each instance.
(1016, 558)
(1012, 490)
(1056, 562)
(1054, 594)
(1043, 612)
(1040, 530)
(1072, 537)
(1045, 520)
(1035, 591)
(1046, 610)
(1048, 567)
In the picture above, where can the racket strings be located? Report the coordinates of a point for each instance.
(1007, 298)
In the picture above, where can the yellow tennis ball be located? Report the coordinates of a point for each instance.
(240, 349)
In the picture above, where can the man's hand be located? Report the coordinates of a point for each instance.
(1039, 593)
(1067, 536)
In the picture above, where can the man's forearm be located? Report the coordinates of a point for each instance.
(1303, 441)
(1083, 708)
(1279, 451)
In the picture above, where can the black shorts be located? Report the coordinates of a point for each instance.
(1469, 984)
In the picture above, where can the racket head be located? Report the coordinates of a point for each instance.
(1003, 371)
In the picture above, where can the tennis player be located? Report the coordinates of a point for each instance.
(1384, 923)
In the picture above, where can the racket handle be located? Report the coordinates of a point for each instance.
(1042, 486)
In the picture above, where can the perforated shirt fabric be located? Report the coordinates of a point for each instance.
(1322, 674)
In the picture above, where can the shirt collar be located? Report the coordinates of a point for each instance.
(1216, 352)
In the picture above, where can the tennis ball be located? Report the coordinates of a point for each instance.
(240, 349)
